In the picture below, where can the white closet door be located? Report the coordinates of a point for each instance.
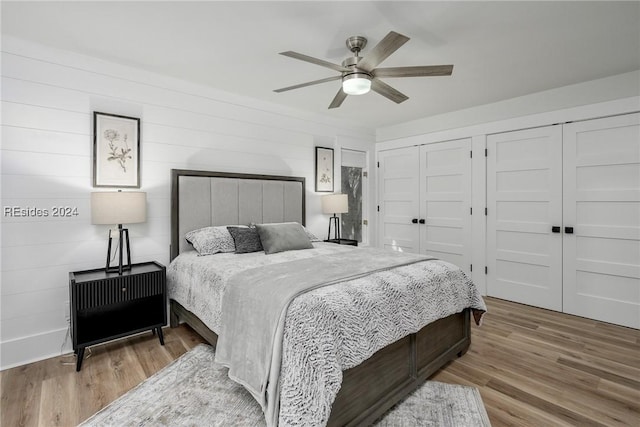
(602, 204)
(524, 201)
(445, 201)
(398, 198)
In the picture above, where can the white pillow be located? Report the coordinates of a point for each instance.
(211, 240)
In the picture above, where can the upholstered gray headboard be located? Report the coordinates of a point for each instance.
(202, 198)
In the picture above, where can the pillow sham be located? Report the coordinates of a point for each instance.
(285, 236)
(311, 236)
(246, 239)
(211, 240)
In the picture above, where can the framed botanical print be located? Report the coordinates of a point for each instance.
(324, 170)
(116, 151)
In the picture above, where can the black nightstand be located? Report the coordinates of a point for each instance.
(105, 306)
(349, 242)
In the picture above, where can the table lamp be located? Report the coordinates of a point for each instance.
(335, 204)
(118, 207)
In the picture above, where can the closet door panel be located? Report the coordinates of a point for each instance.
(445, 200)
(524, 202)
(602, 203)
(398, 197)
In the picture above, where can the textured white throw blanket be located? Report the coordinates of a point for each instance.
(255, 305)
(332, 328)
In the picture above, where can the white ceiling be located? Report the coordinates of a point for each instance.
(500, 50)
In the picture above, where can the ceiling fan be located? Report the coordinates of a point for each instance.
(359, 74)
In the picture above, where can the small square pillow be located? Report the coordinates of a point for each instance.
(285, 236)
(246, 239)
(211, 240)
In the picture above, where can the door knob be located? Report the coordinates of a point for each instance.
(568, 230)
(414, 221)
(555, 229)
(422, 221)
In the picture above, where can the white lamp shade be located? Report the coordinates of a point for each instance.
(118, 207)
(335, 203)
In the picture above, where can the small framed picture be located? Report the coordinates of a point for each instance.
(324, 170)
(116, 151)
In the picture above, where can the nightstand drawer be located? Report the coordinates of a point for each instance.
(98, 293)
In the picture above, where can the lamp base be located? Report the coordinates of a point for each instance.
(336, 228)
(123, 242)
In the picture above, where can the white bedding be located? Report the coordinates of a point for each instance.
(333, 328)
(198, 282)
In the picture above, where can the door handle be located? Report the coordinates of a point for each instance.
(555, 229)
(422, 221)
(568, 230)
(414, 221)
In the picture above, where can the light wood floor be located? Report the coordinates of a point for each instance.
(533, 367)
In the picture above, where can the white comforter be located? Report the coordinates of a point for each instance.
(333, 328)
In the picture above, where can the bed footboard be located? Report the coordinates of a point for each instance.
(371, 388)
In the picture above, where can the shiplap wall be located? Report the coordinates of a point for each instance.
(48, 97)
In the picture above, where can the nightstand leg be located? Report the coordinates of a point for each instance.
(160, 336)
(79, 357)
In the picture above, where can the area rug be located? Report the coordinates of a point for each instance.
(195, 391)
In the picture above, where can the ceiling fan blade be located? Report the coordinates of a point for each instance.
(338, 100)
(311, 59)
(389, 44)
(315, 82)
(387, 91)
(420, 71)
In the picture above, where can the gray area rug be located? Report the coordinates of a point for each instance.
(195, 391)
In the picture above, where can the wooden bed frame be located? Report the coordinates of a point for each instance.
(371, 388)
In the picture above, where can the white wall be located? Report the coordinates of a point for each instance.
(48, 97)
(592, 92)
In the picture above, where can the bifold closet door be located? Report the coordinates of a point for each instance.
(445, 201)
(398, 199)
(602, 205)
(524, 217)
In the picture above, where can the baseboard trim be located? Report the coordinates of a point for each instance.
(33, 348)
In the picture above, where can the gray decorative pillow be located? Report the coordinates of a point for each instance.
(211, 240)
(246, 239)
(286, 236)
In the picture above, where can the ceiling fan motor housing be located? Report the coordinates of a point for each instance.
(352, 62)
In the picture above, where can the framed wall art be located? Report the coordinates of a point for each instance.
(324, 170)
(116, 151)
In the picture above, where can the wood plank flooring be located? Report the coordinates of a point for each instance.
(533, 367)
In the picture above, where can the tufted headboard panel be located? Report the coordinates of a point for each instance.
(202, 198)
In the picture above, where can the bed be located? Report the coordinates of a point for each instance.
(368, 389)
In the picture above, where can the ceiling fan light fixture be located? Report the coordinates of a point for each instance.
(356, 84)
